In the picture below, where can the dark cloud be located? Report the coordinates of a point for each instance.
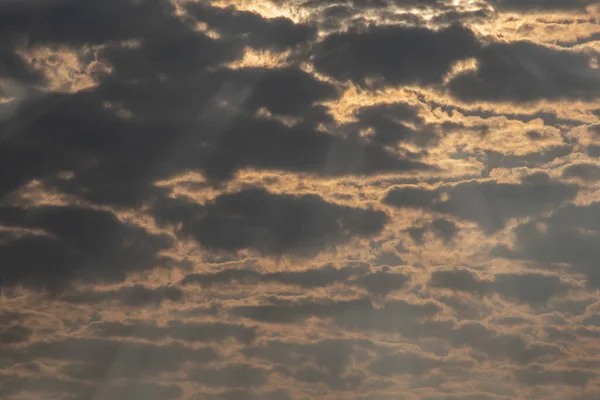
(445, 229)
(525, 71)
(388, 259)
(231, 376)
(320, 277)
(270, 144)
(530, 288)
(155, 23)
(378, 282)
(14, 385)
(568, 238)
(586, 171)
(184, 110)
(288, 91)
(392, 123)
(412, 364)
(188, 331)
(14, 334)
(458, 279)
(275, 33)
(533, 289)
(272, 224)
(468, 396)
(168, 104)
(106, 251)
(442, 228)
(411, 196)
(245, 394)
(496, 159)
(326, 361)
(488, 203)
(176, 125)
(137, 390)
(541, 5)
(309, 278)
(395, 316)
(382, 283)
(400, 55)
(132, 296)
(539, 375)
(75, 23)
(498, 346)
(97, 359)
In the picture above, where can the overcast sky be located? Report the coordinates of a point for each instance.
(299, 199)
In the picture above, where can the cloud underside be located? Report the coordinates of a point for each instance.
(367, 199)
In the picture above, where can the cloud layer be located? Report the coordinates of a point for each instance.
(281, 200)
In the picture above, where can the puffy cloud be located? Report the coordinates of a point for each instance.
(100, 359)
(106, 251)
(586, 171)
(566, 237)
(488, 203)
(233, 376)
(525, 72)
(413, 364)
(132, 296)
(269, 129)
(530, 288)
(399, 55)
(271, 224)
(379, 282)
(256, 31)
(541, 5)
(538, 375)
(188, 332)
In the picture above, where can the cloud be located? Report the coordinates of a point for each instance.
(287, 91)
(389, 121)
(149, 391)
(498, 346)
(445, 229)
(378, 283)
(271, 224)
(245, 394)
(586, 171)
(567, 237)
(412, 364)
(325, 361)
(539, 375)
(400, 55)
(541, 5)
(80, 391)
(394, 316)
(270, 144)
(233, 126)
(97, 359)
(231, 376)
(254, 30)
(488, 203)
(525, 72)
(156, 93)
(14, 334)
(458, 279)
(131, 296)
(529, 288)
(442, 228)
(186, 331)
(309, 278)
(382, 283)
(106, 252)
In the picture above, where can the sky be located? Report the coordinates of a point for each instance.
(299, 199)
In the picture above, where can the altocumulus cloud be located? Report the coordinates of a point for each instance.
(282, 200)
